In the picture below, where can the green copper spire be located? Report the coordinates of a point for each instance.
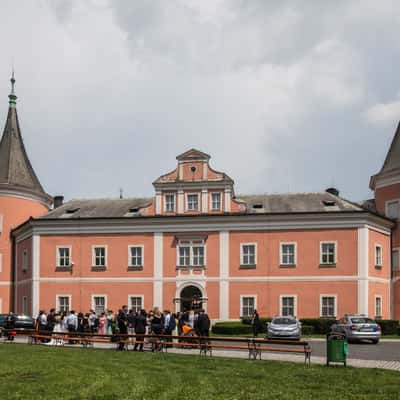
(12, 97)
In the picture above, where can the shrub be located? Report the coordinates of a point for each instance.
(388, 326)
(231, 328)
(307, 330)
(263, 321)
(398, 331)
(320, 326)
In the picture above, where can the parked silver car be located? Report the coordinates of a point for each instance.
(284, 328)
(357, 328)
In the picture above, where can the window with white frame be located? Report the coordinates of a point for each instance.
(24, 305)
(248, 254)
(288, 253)
(395, 260)
(25, 260)
(1, 262)
(288, 306)
(63, 304)
(378, 255)
(169, 200)
(328, 306)
(191, 253)
(378, 307)
(99, 256)
(215, 201)
(136, 303)
(136, 256)
(392, 209)
(63, 256)
(328, 253)
(192, 202)
(99, 304)
(248, 305)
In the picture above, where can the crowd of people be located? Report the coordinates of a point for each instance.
(126, 322)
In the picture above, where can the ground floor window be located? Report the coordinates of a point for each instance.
(328, 306)
(63, 304)
(247, 306)
(288, 306)
(378, 307)
(136, 303)
(99, 304)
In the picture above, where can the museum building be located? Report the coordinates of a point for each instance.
(197, 244)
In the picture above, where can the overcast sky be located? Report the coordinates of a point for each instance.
(286, 96)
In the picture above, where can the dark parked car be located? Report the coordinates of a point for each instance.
(21, 321)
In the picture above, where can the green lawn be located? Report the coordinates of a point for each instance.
(38, 372)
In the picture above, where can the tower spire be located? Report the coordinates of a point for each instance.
(12, 97)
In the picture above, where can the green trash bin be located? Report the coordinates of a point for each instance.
(336, 348)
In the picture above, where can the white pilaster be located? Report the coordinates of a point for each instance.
(35, 275)
(363, 264)
(204, 201)
(180, 171)
(158, 270)
(205, 170)
(181, 201)
(158, 202)
(227, 202)
(224, 275)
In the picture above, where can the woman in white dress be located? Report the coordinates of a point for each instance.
(58, 328)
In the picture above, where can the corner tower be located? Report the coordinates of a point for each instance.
(386, 186)
(21, 196)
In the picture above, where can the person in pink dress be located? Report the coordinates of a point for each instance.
(102, 324)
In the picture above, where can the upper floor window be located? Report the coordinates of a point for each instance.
(215, 201)
(191, 253)
(169, 202)
(395, 260)
(247, 306)
(136, 256)
(328, 306)
(328, 253)
(248, 254)
(192, 203)
(63, 257)
(288, 254)
(392, 209)
(25, 260)
(378, 256)
(99, 258)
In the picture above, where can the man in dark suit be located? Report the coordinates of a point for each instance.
(140, 328)
(122, 320)
(203, 324)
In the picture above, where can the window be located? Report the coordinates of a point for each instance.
(328, 253)
(378, 256)
(99, 304)
(378, 307)
(191, 253)
(63, 256)
(248, 254)
(63, 304)
(395, 260)
(392, 209)
(169, 202)
(288, 253)
(328, 306)
(248, 305)
(135, 303)
(192, 202)
(288, 306)
(25, 260)
(24, 305)
(99, 256)
(215, 201)
(136, 256)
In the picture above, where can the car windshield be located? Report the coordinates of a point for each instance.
(284, 321)
(362, 320)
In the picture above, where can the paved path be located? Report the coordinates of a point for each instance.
(386, 354)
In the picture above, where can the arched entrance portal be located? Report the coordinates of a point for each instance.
(191, 298)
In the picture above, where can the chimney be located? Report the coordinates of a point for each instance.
(58, 201)
(333, 191)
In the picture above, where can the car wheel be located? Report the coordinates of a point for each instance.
(375, 341)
